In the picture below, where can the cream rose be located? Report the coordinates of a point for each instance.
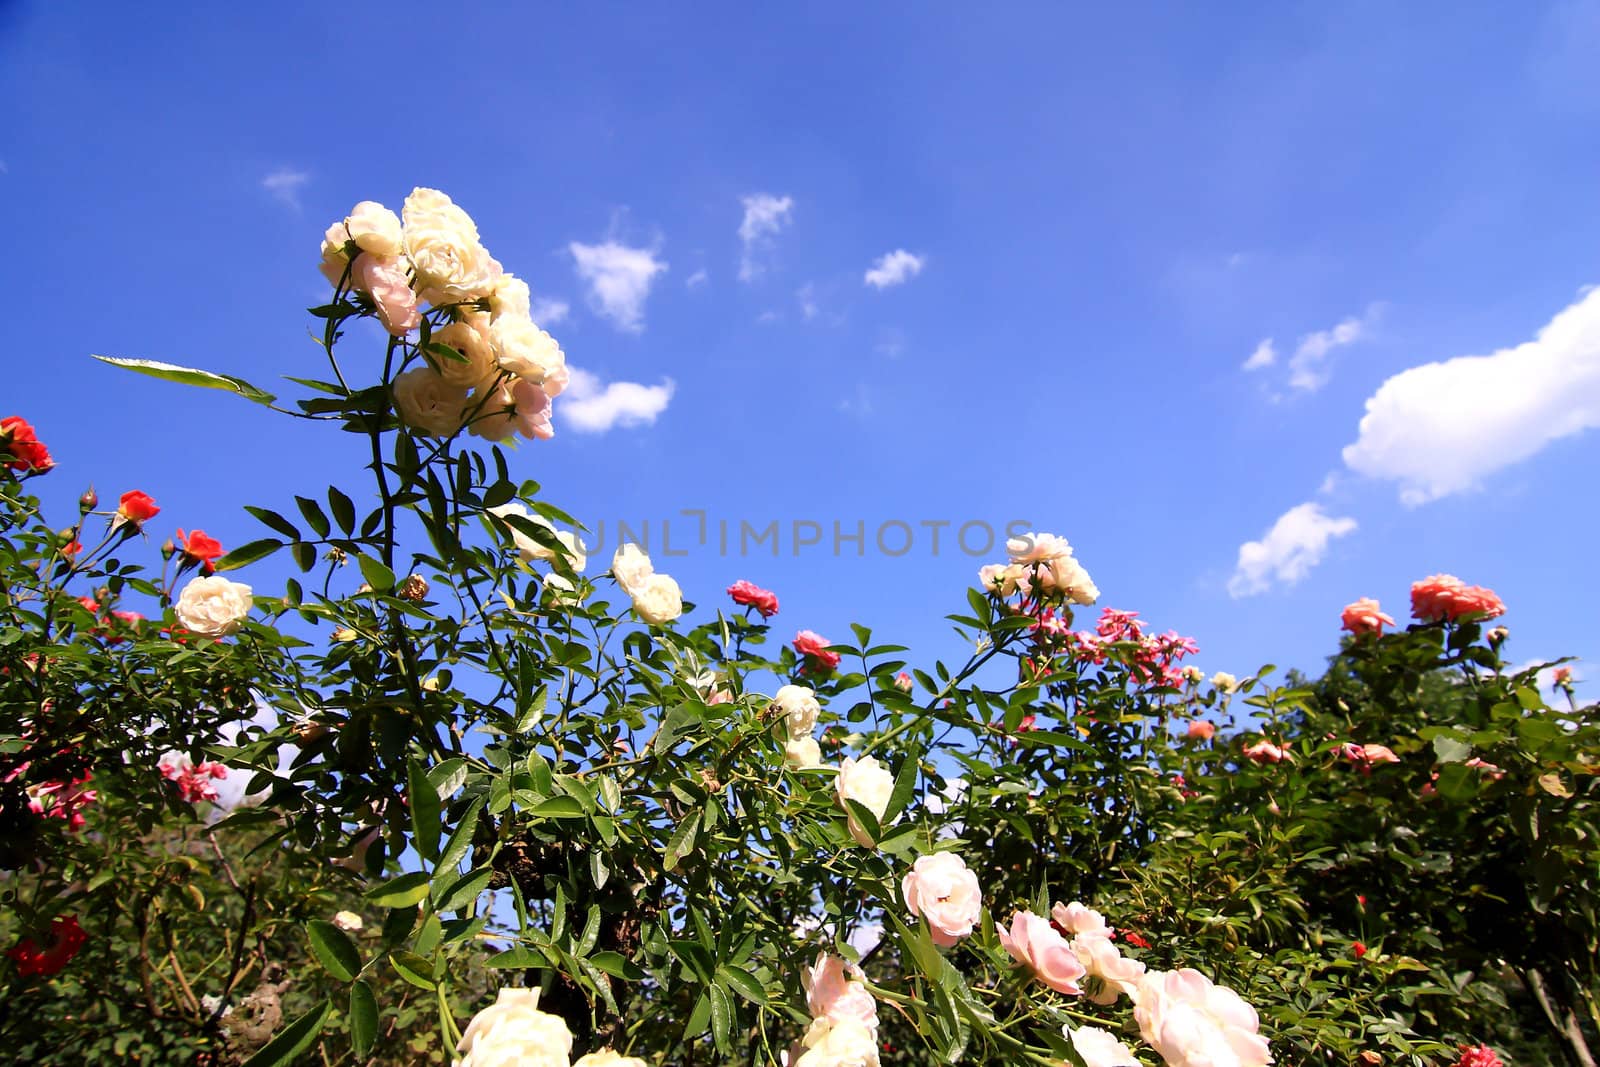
(513, 1032)
(213, 607)
(510, 297)
(608, 1057)
(348, 921)
(375, 229)
(528, 352)
(442, 242)
(869, 784)
(1224, 681)
(334, 257)
(802, 753)
(630, 566)
(1193, 1022)
(800, 709)
(1099, 1048)
(658, 600)
(845, 1043)
(429, 404)
(471, 339)
(941, 889)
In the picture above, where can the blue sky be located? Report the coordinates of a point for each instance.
(1101, 215)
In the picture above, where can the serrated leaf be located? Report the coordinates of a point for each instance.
(1448, 750)
(334, 950)
(558, 808)
(413, 968)
(172, 372)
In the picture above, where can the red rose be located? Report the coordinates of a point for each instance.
(24, 452)
(1358, 948)
(136, 507)
(751, 594)
(1134, 939)
(66, 937)
(199, 547)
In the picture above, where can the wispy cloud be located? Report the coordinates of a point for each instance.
(697, 279)
(619, 278)
(285, 184)
(547, 311)
(807, 296)
(765, 216)
(1441, 428)
(894, 268)
(1295, 544)
(891, 342)
(1264, 356)
(859, 403)
(591, 406)
(1308, 370)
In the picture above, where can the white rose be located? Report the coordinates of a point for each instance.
(472, 341)
(800, 709)
(531, 550)
(1192, 1022)
(429, 404)
(513, 1032)
(510, 298)
(869, 784)
(839, 1043)
(630, 567)
(374, 228)
(1067, 576)
(334, 260)
(802, 753)
(940, 888)
(1099, 1048)
(1224, 681)
(1037, 548)
(527, 351)
(213, 607)
(607, 1057)
(348, 921)
(658, 600)
(442, 242)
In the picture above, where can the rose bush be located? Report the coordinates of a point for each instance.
(588, 818)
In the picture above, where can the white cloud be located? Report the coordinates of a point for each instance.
(807, 295)
(697, 279)
(619, 279)
(547, 311)
(592, 407)
(1440, 428)
(764, 216)
(1307, 367)
(1295, 544)
(1264, 356)
(891, 343)
(284, 183)
(894, 268)
(858, 403)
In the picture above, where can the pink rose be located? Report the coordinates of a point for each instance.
(1117, 973)
(1200, 730)
(814, 647)
(941, 889)
(513, 406)
(1363, 617)
(1479, 1056)
(1192, 1022)
(752, 595)
(384, 279)
(1485, 768)
(835, 990)
(1033, 942)
(1075, 918)
(902, 682)
(1265, 751)
(1444, 597)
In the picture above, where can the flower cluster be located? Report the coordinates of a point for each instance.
(844, 1017)
(1042, 569)
(59, 799)
(800, 710)
(489, 368)
(20, 448)
(1446, 598)
(192, 779)
(1153, 659)
(656, 597)
(66, 938)
(752, 595)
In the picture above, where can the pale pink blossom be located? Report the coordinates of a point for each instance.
(1033, 942)
(384, 279)
(1099, 1048)
(1076, 918)
(1118, 974)
(836, 990)
(1364, 617)
(940, 888)
(1192, 1022)
(1485, 768)
(1200, 730)
(1265, 751)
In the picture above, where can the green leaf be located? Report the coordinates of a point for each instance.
(448, 776)
(721, 1017)
(314, 516)
(249, 553)
(171, 372)
(292, 1040)
(905, 784)
(517, 957)
(344, 512)
(1449, 750)
(276, 521)
(744, 983)
(414, 969)
(456, 848)
(464, 890)
(377, 575)
(558, 808)
(363, 1018)
(334, 950)
(617, 966)
(681, 843)
(400, 892)
(424, 802)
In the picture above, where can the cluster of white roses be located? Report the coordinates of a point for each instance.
(844, 1017)
(513, 1032)
(800, 709)
(509, 370)
(1042, 568)
(656, 597)
(213, 606)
